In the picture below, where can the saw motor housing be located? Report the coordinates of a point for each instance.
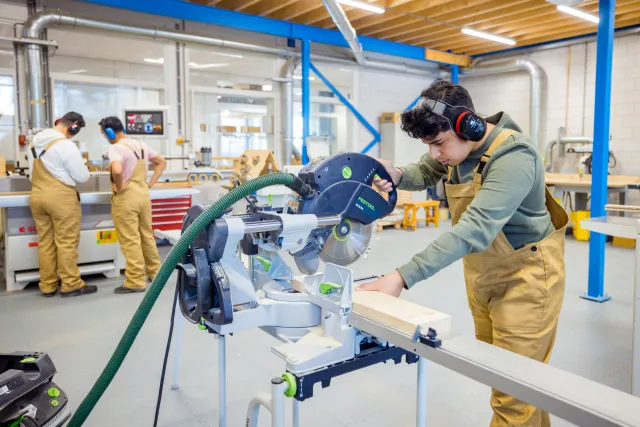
(308, 313)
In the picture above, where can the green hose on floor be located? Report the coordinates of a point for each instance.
(175, 255)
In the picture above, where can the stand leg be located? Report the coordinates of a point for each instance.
(222, 381)
(296, 413)
(635, 349)
(177, 346)
(421, 408)
(278, 387)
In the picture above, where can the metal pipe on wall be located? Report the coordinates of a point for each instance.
(535, 86)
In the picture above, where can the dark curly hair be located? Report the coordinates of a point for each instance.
(420, 122)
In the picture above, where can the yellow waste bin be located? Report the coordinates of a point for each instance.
(578, 232)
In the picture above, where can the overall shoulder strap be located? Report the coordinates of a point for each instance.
(502, 136)
(49, 145)
(134, 150)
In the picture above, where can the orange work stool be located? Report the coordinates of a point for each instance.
(431, 208)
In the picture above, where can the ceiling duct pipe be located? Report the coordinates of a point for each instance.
(45, 19)
(535, 86)
(345, 27)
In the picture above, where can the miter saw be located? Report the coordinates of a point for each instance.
(333, 222)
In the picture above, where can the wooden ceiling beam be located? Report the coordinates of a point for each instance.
(356, 14)
(320, 18)
(455, 18)
(482, 23)
(551, 28)
(411, 7)
(294, 10)
(562, 35)
(563, 32)
(229, 4)
(266, 7)
(380, 29)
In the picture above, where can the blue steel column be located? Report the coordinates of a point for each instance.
(454, 74)
(599, 193)
(306, 98)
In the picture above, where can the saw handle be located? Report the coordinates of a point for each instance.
(383, 174)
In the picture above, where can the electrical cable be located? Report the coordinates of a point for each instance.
(166, 354)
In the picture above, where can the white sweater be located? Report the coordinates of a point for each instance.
(64, 160)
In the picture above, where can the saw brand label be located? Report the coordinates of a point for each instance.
(367, 204)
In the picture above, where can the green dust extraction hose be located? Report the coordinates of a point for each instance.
(175, 255)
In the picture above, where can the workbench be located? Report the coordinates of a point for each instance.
(581, 186)
(98, 249)
(629, 228)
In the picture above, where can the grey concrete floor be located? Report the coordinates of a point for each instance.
(80, 334)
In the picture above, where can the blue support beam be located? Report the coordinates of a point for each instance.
(306, 98)
(179, 9)
(455, 73)
(345, 101)
(599, 192)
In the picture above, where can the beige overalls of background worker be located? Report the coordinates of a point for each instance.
(507, 228)
(131, 205)
(56, 165)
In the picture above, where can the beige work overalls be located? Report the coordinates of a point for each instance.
(131, 212)
(514, 295)
(56, 210)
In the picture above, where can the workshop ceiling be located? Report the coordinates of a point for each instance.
(437, 24)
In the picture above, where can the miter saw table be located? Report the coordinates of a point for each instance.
(326, 328)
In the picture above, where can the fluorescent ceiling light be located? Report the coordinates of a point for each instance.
(300, 77)
(362, 5)
(154, 60)
(488, 36)
(201, 66)
(229, 55)
(298, 93)
(579, 14)
(267, 88)
(76, 71)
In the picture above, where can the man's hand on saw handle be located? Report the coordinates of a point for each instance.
(395, 173)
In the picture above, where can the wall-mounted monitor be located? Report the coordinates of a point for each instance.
(145, 122)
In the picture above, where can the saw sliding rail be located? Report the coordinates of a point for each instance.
(568, 396)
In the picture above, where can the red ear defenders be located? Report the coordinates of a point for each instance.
(464, 122)
(72, 129)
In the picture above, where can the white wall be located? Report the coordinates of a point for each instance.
(565, 67)
(379, 93)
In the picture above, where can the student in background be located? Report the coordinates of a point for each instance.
(131, 205)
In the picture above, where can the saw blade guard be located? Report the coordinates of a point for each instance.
(342, 185)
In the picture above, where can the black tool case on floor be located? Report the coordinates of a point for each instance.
(28, 396)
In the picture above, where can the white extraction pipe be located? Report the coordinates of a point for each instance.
(535, 87)
(45, 19)
(342, 22)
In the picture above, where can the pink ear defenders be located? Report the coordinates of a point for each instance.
(464, 122)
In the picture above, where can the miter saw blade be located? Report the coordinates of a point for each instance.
(347, 242)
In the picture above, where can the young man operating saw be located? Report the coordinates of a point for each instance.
(507, 228)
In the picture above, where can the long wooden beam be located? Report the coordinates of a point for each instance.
(416, 6)
(550, 28)
(422, 27)
(298, 8)
(267, 7)
(476, 21)
(634, 19)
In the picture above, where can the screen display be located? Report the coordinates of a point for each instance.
(144, 122)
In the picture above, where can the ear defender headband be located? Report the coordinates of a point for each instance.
(464, 122)
(72, 129)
